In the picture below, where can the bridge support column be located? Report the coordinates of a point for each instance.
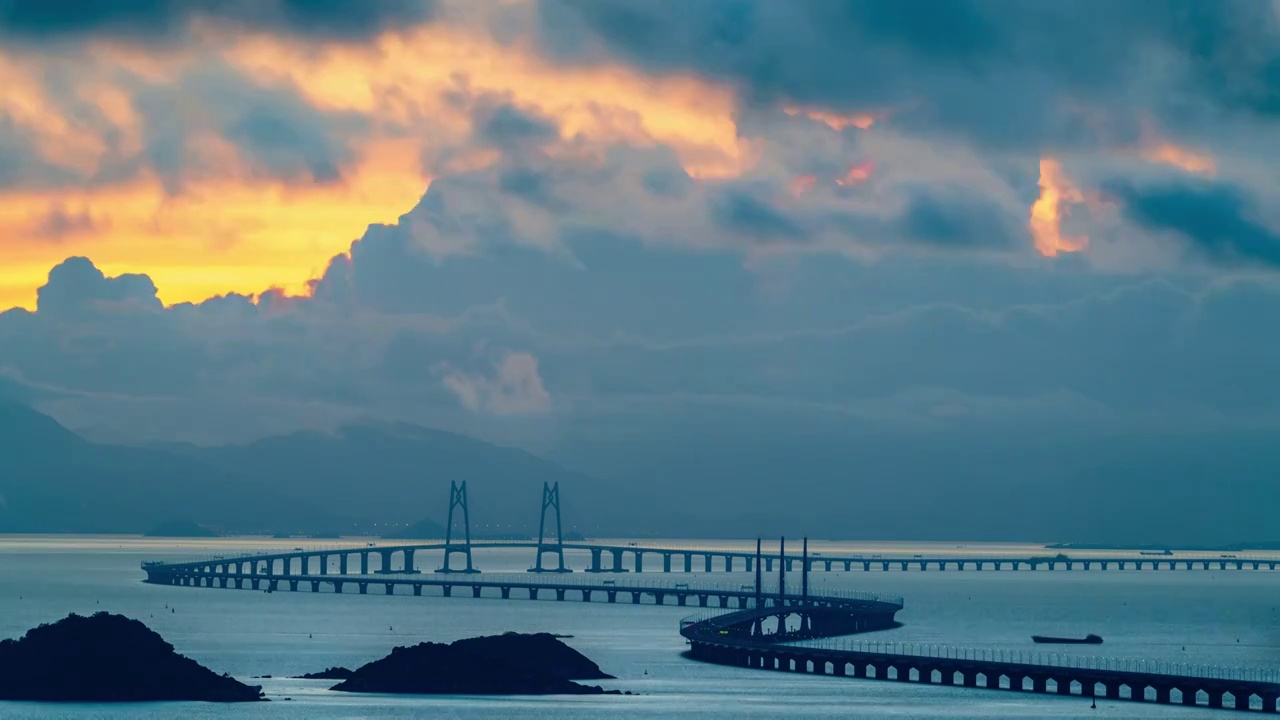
(337, 586)
(666, 562)
(617, 561)
(884, 566)
(1215, 699)
(768, 564)
(550, 500)
(688, 562)
(315, 586)
(364, 563)
(595, 562)
(612, 595)
(560, 594)
(707, 558)
(342, 564)
(417, 591)
(475, 591)
(446, 590)
(639, 561)
(391, 588)
(408, 561)
(385, 567)
(635, 598)
(751, 564)
(364, 588)
(324, 564)
(293, 586)
(458, 502)
(506, 592)
(728, 563)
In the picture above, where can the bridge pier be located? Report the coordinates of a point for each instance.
(337, 586)
(866, 566)
(707, 559)
(728, 563)
(560, 594)
(342, 564)
(324, 564)
(293, 586)
(688, 562)
(315, 586)
(639, 561)
(750, 563)
(364, 563)
(666, 562)
(611, 595)
(506, 592)
(617, 561)
(635, 598)
(475, 591)
(364, 588)
(417, 591)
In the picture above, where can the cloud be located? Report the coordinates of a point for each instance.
(516, 388)
(77, 288)
(149, 20)
(1218, 221)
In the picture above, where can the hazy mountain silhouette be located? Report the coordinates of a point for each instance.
(52, 480)
(377, 477)
(396, 474)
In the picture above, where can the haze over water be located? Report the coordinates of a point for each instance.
(1227, 618)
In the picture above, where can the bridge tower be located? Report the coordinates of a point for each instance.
(782, 572)
(804, 573)
(458, 501)
(550, 500)
(759, 576)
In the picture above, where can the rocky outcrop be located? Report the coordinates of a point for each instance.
(510, 664)
(333, 673)
(107, 658)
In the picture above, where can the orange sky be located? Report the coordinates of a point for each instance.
(232, 230)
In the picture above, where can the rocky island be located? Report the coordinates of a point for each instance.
(510, 664)
(107, 658)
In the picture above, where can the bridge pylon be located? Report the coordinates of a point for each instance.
(550, 501)
(458, 501)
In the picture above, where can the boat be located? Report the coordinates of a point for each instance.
(1086, 640)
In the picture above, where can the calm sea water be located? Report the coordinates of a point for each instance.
(1228, 618)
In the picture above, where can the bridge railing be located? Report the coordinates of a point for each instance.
(1045, 659)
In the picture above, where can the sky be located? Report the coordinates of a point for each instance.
(572, 223)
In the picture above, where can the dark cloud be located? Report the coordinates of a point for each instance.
(954, 218)
(150, 20)
(505, 126)
(994, 71)
(278, 132)
(77, 288)
(739, 211)
(1218, 220)
(60, 223)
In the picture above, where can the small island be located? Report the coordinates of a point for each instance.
(509, 664)
(333, 673)
(107, 658)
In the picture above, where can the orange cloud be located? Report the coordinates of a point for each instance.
(407, 78)
(1050, 209)
(857, 174)
(230, 230)
(1182, 158)
(835, 121)
(802, 184)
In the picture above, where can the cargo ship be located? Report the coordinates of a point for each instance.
(1086, 640)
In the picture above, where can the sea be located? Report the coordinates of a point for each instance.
(1226, 618)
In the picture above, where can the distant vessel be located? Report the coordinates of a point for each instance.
(1086, 640)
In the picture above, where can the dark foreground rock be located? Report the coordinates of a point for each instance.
(510, 664)
(107, 658)
(333, 673)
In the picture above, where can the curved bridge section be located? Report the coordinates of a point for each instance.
(743, 639)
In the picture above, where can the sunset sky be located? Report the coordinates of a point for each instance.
(479, 213)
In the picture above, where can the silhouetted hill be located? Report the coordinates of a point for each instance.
(395, 474)
(365, 478)
(52, 480)
(107, 658)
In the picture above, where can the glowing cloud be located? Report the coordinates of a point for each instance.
(1182, 158)
(1050, 209)
(857, 174)
(802, 184)
(835, 121)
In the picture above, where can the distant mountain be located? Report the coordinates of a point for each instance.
(377, 478)
(392, 475)
(52, 480)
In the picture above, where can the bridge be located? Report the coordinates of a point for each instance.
(771, 628)
(734, 638)
(458, 556)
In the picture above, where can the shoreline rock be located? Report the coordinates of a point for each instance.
(108, 658)
(510, 664)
